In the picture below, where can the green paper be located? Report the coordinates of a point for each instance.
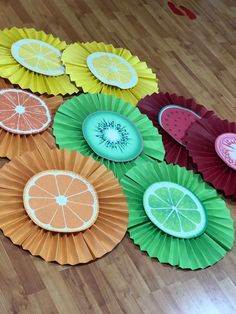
(199, 252)
(68, 121)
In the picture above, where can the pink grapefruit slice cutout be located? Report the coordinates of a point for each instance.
(225, 147)
(61, 201)
(22, 112)
(175, 120)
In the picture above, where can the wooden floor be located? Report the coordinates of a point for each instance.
(193, 58)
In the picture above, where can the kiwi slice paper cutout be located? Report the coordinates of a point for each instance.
(112, 136)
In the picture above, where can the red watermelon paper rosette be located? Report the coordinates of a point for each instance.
(212, 145)
(172, 115)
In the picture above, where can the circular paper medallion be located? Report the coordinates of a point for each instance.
(175, 210)
(22, 112)
(112, 69)
(225, 146)
(38, 56)
(61, 201)
(112, 136)
(175, 120)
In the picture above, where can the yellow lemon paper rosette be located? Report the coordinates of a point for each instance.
(101, 68)
(32, 59)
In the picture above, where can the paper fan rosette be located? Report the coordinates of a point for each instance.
(62, 206)
(32, 59)
(176, 217)
(101, 68)
(108, 129)
(212, 145)
(25, 120)
(172, 115)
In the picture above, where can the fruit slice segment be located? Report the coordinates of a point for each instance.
(22, 112)
(175, 210)
(113, 70)
(38, 56)
(61, 201)
(175, 120)
(112, 136)
(225, 146)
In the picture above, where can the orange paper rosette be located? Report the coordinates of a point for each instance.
(102, 226)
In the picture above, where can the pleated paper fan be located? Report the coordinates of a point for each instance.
(25, 120)
(32, 59)
(212, 145)
(101, 68)
(153, 106)
(176, 217)
(61, 206)
(108, 129)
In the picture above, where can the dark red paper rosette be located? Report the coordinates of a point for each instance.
(152, 106)
(200, 140)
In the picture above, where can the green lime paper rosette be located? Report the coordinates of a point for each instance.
(203, 250)
(83, 123)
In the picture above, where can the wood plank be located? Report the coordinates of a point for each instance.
(192, 58)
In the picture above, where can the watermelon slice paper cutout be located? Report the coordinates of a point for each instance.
(175, 120)
(203, 152)
(152, 106)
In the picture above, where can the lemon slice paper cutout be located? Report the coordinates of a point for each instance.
(38, 56)
(112, 69)
(175, 210)
(22, 112)
(61, 201)
(112, 136)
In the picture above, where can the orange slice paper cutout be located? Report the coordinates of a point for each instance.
(61, 201)
(25, 120)
(88, 199)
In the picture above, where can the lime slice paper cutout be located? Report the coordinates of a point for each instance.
(225, 146)
(112, 136)
(175, 210)
(112, 69)
(38, 56)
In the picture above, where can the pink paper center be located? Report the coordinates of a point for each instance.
(225, 146)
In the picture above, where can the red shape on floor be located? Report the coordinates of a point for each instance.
(188, 12)
(174, 9)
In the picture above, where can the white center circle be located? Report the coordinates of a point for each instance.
(112, 135)
(112, 69)
(61, 200)
(20, 109)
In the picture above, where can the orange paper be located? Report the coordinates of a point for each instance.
(66, 248)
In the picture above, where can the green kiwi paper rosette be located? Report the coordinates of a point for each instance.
(176, 217)
(109, 129)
